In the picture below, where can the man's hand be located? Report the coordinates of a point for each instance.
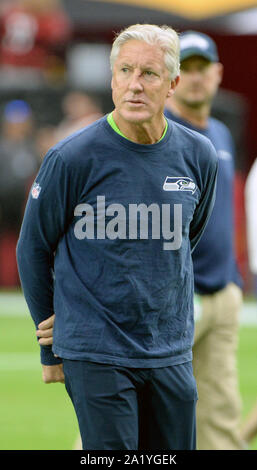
(52, 374)
(45, 331)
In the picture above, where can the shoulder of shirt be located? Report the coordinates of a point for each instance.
(213, 124)
(219, 125)
(194, 138)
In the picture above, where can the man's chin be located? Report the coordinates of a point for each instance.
(195, 104)
(196, 101)
(136, 116)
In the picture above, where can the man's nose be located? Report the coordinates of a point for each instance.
(135, 83)
(196, 75)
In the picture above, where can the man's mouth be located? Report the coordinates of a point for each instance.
(135, 102)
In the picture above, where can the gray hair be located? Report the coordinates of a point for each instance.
(163, 36)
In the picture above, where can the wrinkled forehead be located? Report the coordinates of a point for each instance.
(141, 54)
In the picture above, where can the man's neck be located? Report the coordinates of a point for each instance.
(140, 133)
(198, 117)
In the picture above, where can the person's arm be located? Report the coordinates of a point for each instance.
(47, 216)
(204, 208)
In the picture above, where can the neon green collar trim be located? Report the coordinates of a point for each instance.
(116, 129)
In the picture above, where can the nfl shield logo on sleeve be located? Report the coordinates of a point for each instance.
(35, 190)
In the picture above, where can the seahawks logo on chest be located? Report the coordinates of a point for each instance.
(182, 183)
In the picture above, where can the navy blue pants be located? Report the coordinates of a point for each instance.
(134, 409)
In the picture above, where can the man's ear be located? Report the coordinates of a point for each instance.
(220, 69)
(173, 85)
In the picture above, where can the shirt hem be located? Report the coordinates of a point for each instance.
(124, 361)
(214, 290)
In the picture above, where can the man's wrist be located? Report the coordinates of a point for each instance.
(47, 356)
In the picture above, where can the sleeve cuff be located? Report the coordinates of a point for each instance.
(47, 356)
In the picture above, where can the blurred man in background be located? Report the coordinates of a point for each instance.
(80, 110)
(33, 39)
(217, 282)
(18, 166)
(251, 219)
(45, 139)
(249, 428)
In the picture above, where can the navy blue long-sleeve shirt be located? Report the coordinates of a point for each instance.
(101, 244)
(214, 257)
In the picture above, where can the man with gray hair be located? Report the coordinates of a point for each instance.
(113, 216)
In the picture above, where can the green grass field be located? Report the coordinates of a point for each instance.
(38, 416)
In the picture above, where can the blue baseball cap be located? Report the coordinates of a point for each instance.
(193, 43)
(17, 111)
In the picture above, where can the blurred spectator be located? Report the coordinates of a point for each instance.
(45, 138)
(249, 428)
(6, 4)
(18, 165)
(33, 36)
(80, 110)
(251, 219)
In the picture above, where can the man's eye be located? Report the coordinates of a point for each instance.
(149, 72)
(124, 69)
